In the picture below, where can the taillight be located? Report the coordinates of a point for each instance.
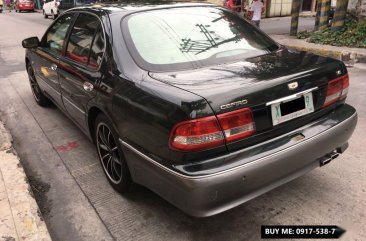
(345, 86)
(337, 89)
(209, 132)
(237, 124)
(198, 134)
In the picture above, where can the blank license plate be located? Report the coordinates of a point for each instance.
(285, 111)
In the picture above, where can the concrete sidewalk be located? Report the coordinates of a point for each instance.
(19, 215)
(348, 55)
(279, 29)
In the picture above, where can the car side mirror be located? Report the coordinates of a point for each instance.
(30, 43)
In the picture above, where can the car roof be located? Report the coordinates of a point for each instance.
(117, 7)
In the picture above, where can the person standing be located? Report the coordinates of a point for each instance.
(8, 4)
(238, 6)
(256, 10)
(230, 4)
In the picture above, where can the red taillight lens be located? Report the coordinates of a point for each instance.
(337, 89)
(196, 135)
(237, 124)
(205, 133)
(345, 85)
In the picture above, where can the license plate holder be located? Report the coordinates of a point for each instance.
(290, 109)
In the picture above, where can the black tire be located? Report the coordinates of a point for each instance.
(111, 155)
(44, 14)
(39, 97)
(53, 15)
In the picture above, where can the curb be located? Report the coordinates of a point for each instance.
(19, 214)
(348, 55)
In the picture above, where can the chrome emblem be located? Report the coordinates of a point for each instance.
(233, 104)
(293, 85)
(338, 72)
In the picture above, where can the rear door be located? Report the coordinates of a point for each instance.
(79, 68)
(46, 57)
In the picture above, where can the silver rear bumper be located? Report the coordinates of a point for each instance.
(208, 194)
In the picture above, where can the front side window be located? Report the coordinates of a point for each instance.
(81, 38)
(192, 37)
(55, 37)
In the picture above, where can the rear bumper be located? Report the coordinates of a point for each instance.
(247, 173)
(26, 8)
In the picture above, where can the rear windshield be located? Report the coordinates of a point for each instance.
(191, 37)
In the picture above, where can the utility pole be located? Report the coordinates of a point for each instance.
(295, 11)
(339, 15)
(317, 16)
(324, 14)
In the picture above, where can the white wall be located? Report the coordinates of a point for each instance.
(352, 4)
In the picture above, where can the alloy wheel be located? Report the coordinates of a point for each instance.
(108, 153)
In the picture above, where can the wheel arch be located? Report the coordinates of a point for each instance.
(92, 116)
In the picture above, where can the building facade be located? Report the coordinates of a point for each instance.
(276, 8)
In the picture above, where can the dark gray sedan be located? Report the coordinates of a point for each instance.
(191, 101)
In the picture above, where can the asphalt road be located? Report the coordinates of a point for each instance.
(78, 203)
(282, 25)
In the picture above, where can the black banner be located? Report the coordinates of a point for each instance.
(301, 232)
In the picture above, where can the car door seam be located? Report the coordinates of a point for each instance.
(73, 104)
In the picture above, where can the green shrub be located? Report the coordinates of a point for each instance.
(353, 34)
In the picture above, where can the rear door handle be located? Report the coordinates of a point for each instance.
(54, 67)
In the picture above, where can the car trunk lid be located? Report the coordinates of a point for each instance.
(257, 83)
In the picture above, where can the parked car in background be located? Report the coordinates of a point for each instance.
(1, 6)
(191, 100)
(51, 8)
(78, 3)
(24, 5)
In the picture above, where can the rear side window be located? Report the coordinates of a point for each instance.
(81, 38)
